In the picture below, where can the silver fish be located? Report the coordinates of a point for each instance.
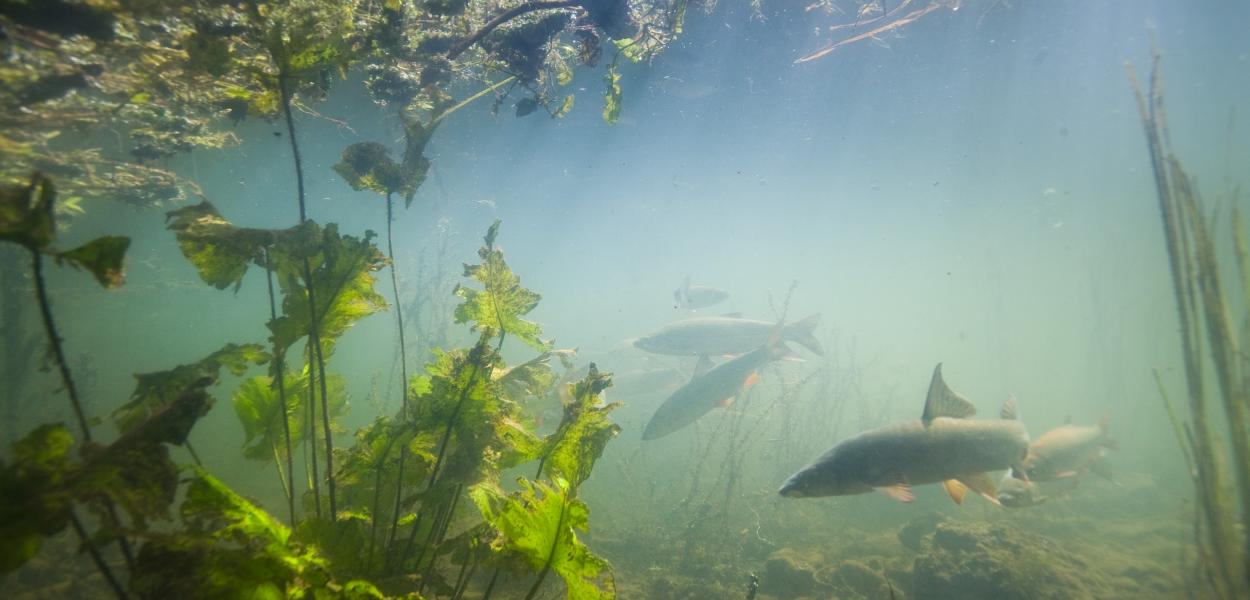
(646, 381)
(1067, 451)
(691, 297)
(717, 387)
(716, 336)
(943, 446)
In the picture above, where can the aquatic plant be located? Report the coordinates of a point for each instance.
(1203, 303)
(171, 78)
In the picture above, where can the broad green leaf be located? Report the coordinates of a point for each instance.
(537, 528)
(32, 506)
(102, 257)
(343, 286)
(153, 391)
(368, 166)
(584, 430)
(496, 310)
(26, 213)
(415, 165)
(612, 95)
(221, 252)
(257, 406)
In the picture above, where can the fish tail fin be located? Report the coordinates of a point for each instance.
(801, 333)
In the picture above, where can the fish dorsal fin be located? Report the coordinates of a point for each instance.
(955, 490)
(1067, 419)
(1104, 423)
(703, 366)
(944, 402)
(1010, 411)
(982, 484)
(732, 315)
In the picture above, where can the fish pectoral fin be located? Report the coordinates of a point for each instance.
(982, 484)
(727, 402)
(955, 490)
(1065, 474)
(751, 380)
(899, 491)
(942, 401)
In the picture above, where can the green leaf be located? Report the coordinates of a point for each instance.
(343, 286)
(497, 309)
(612, 95)
(258, 408)
(537, 528)
(26, 213)
(368, 166)
(221, 252)
(415, 165)
(102, 257)
(31, 504)
(584, 430)
(153, 391)
(565, 107)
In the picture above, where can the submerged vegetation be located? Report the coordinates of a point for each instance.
(386, 514)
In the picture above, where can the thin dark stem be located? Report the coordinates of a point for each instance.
(279, 368)
(403, 367)
(555, 543)
(96, 558)
(312, 431)
(195, 456)
(504, 17)
(49, 326)
(377, 492)
(54, 338)
(325, 421)
(490, 587)
(313, 336)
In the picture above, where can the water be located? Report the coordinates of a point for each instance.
(971, 189)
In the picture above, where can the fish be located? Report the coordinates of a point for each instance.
(1019, 493)
(725, 335)
(646, 381)
(1068, 451)
(716, 388)
(943, 446)
(691, 297)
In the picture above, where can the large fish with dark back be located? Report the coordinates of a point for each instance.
(944, 446)
(706, 391)
(717, 336)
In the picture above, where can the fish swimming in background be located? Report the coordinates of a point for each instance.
(646, 381)
(692, 297)
(943, 446)
(718, 336)
(1019, 493)
(1068, 451)
(717, 387)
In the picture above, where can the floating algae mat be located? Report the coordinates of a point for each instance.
(637, 299)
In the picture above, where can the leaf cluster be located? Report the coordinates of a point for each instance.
(260, 411)
(42, 482)
(536, 529)
(26, 219)
(496, 310)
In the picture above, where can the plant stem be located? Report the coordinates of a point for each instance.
(551, 554)
(377, 492)
(403, 367)
(96, 558)
(504, 17)
(54, 338)
(490, 587)
(49, 326)
(279, 368)
(313, 336)
(312, 431)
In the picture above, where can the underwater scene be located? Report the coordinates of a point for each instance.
(634, 299)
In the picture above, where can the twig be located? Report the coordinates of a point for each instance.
(504, 17)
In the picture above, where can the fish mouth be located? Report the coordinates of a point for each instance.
(789, 490)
